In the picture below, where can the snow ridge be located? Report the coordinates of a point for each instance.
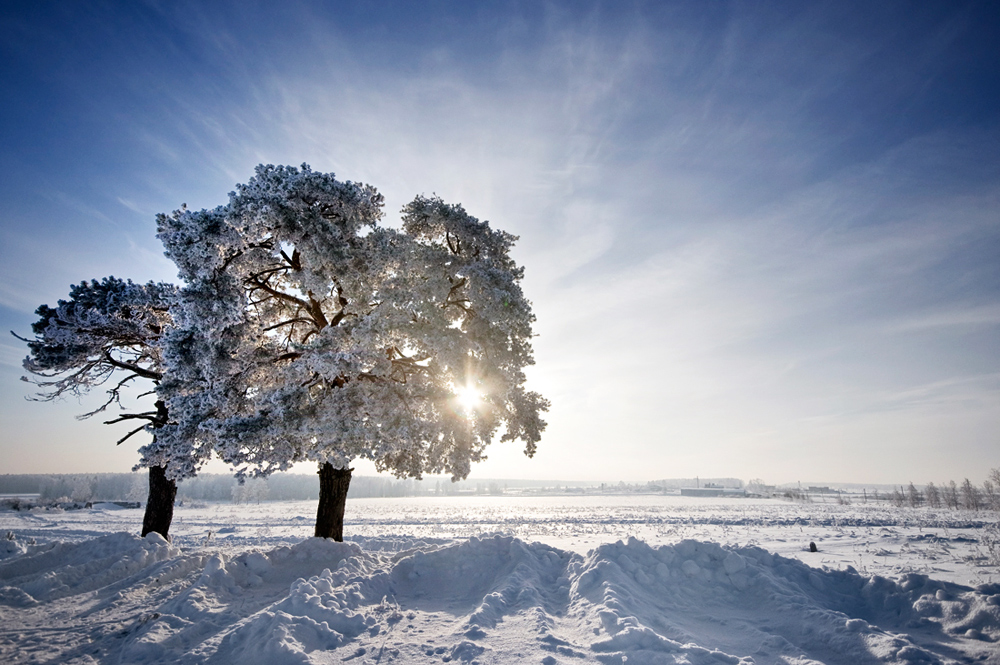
(491, 599)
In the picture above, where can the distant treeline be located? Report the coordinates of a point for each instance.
(78, 487)
(84, 487)
(278, 487)
(956, 496)
(207, 487)
(952, 495)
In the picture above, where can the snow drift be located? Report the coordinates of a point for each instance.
(122, 599)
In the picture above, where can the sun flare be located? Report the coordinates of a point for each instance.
(468, 397)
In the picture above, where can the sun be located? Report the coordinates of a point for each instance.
(468, 397)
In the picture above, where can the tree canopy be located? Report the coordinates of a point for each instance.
(307, 331)
(109, 327)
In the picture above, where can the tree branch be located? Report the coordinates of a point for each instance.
(129, 435)
(281, 295)
(264, 244)
(289, 322)
(461, 303)
(141, 371)
(151, 416)
(316, 312)
(113, 396)
(295, 263)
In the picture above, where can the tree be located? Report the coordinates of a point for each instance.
(913, 496)
(971, 497)
(306, 331)
(991, 489)
(254, 489)
(933, 496)
(950, 492)
(108, 329)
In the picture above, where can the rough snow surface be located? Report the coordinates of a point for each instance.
(494, 598)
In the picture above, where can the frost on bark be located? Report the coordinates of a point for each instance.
(308, 332)
(107, 333)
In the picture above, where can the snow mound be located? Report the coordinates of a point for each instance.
(66, 569)
(10, 547)
(496, 600)
(14, 597)
(107, 505)
(397, 543)
(316, 615)
(278, 638)
(491, 577)
(701, 603)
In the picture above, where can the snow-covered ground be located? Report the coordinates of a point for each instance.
(558, 579)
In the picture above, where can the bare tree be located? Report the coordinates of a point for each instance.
(990, 496)
(950, 493)
(933, 496)
(991, 489)
(913, 496)
(971, 498)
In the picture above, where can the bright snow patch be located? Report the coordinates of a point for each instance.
(239, 584)
(496, 599)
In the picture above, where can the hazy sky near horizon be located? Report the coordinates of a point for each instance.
(761, 239)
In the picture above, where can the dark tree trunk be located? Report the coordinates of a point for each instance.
(160, 504)
(333, 484)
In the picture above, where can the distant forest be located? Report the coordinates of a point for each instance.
(207, 487)
(94, 487)
(278, 487)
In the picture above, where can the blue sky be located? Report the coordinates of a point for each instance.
(762, 239)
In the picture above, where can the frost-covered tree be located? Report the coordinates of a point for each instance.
(913, 496)
(950, 495)
(254, 489)
(990, 496)
(933, 496)
(306, 331)
(108, 333)
(991, 490)
(972, 499)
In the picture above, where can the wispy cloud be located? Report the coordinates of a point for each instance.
(703, 260)
(986, 315)
(742, 229)
(12, 355)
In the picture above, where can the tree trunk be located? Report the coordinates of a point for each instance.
(333, 484)
(160, 504)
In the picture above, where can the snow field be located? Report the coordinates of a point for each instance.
(405, 598)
